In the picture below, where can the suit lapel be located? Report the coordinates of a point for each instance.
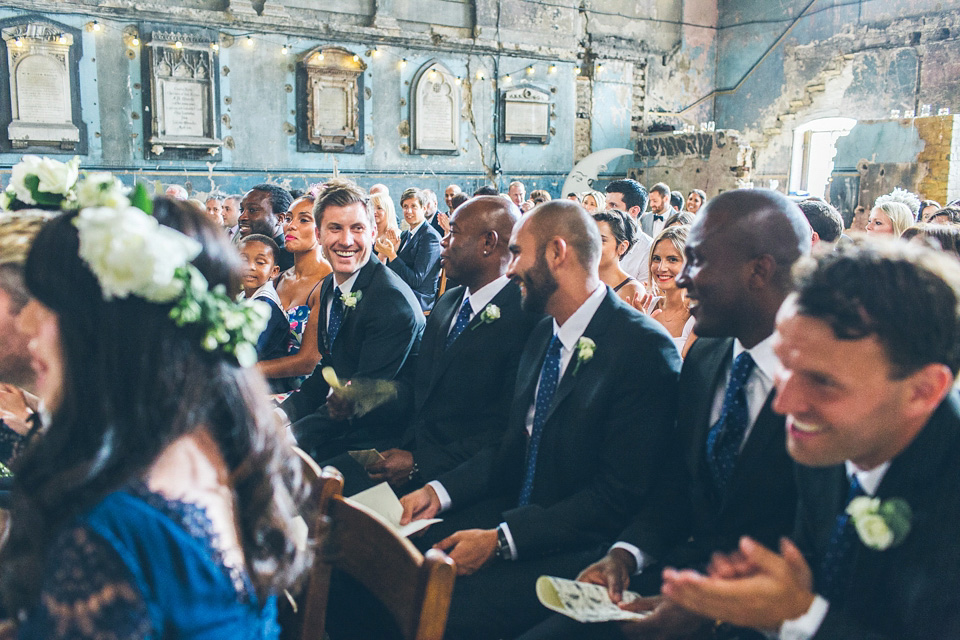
(325, 292)
(363, 280)
(440, 355)
(712, 368)
(528, 373)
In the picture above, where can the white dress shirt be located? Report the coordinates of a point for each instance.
(757, 388)
(636, 261)
(346, 287)
(480, 298)
(807, 625)
(569, 334)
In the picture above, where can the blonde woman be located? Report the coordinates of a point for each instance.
(667, 303)
(386, 216)
(890, 218)
(593, 201)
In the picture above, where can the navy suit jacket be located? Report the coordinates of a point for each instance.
(418, 263)
(376, 341)
(462, 394)
(907, 592)
(604, 440)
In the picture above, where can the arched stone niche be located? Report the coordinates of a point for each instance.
(435, 111)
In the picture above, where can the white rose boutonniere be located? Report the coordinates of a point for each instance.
(585, 349)
(880, 524)
(490, 313)
(351, 299)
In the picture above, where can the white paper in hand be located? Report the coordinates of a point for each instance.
(382, 500)
(583, 601)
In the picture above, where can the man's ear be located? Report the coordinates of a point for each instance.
(490, 241)
(928, 386)
(762, 270)
(635, 211)
(556, 251)
(275, 272)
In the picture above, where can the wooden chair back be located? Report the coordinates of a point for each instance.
(415, 588)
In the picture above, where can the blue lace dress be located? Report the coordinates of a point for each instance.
(138, 565)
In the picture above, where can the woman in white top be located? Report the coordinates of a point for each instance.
(669, 302)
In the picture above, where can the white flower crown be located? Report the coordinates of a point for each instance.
(130, 253)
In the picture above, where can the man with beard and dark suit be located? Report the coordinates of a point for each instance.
(737, 478)
(261, 211)
(467, 366)
(370, 326)
(873, 422)
(582, 448)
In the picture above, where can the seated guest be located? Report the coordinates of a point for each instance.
(630, 197)
(214, 209)
(593, 201)
(616, 237)
(486, 190)
(457, 200)
(258, 257)
(417, 260)
(889, 218)
(468, 359)
(261, 211)
(298, 289)
(927, 209)
(736, 478)
(430, 211)
(230, 210)
(947, 215)
(449, 193)
(826, 222)
(946, 237)
(539, 196)
(369, 324)
(653, 221)
(159, 501)
(581, 449)
(18, 405)
(873, 424)
(672, 310)
(386, 216)
(679, 218)
(695, 199)
(677, 200)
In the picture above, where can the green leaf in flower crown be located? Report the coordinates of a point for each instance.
(45, 200)
(141, 199)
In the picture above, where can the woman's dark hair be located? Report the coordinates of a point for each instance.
(134, 383)
(680, 217)
(621, 229)
(937, 236)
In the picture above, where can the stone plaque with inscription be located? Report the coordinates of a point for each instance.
(525, 113)
(435, 104)
(332, 79)
(182, 94)
(40, 89)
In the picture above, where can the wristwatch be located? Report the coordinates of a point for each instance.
(503, 546)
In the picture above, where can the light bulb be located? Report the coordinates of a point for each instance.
(552, 69)
(215, 46)
(249, 41)
(284, 50)
(18, 42)
(403, 63)
(178, 44)
(530, 70)
(96, 26)
(135, 41)
(507, 78)
(356, 58)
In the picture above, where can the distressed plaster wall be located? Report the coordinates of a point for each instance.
(840, 58)
(640, 61)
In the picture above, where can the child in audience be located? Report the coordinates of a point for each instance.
(258, 253)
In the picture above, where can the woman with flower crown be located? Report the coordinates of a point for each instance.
(158, 501)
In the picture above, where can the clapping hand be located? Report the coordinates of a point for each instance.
(643, 302)
(443, 220)
(753, 587)
(14, 408)
(385, 247)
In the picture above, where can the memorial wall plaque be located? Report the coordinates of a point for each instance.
(435, 105)
(41, 101)
(330, 80)
(525, 115)
(182, 97)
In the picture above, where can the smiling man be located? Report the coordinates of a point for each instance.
(871, 413)
(583, 446)
(417, 261)
(261, 210)
(370, 324)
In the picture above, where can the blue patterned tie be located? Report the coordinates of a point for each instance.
(726, 435)
(834, 575)
(336, 317)
(463, 319)
(549, 377)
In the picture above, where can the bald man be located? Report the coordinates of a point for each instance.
(593, 406)
(738, 478)
(469, 354)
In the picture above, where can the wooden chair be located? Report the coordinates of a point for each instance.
(415, 588)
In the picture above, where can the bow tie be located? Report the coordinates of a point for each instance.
(657, 218)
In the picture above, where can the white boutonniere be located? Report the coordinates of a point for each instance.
(880, 524)
(351, 299)
(585, 349)
(490, 313)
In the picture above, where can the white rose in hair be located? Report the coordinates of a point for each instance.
(102, 190)
(57, 177)
(130, 253)
(18, 174)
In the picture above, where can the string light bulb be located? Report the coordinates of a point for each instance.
(249, 41)
(135, 41)
(178, 44)
(403, 63)
(530, 70)
(458, 81)
(18, 41)
(356, 58)
(320, 56)
(433, 74)
(95, 26)
(284, 50)
(215, 46)
(576, 70)
(62, 39)
(480, 74)
(376, 53)
(552, 69)
(599, 68)
(507, 79)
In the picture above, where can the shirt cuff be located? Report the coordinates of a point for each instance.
(442, 495)
(510, 543)
(807, 625)
(642, 559)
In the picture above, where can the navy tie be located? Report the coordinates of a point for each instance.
(463, 319)
(834, 576)
(336, 317)
(726, 435)
(549, 377)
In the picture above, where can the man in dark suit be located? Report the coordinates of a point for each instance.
(261, 211)
(370, 326)
(468, 359)
(582, 448)
(417, 260)
(739, 254)
(873, 422)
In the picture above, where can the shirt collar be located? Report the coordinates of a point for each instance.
(762, 354)
(268, 291)
(413, 230)
(482, 296)
(576, 324)
(347, 286)
(870, 480)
